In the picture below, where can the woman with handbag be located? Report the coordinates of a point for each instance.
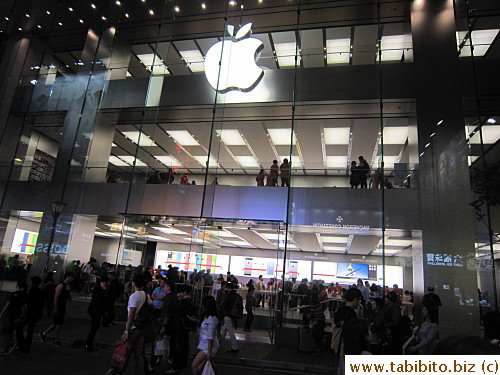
(209, 342)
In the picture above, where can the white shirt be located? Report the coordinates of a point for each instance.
(136, 300)
(208, 331)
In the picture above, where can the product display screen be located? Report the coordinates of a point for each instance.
(352, 271)
(24, 242)
(326, 271)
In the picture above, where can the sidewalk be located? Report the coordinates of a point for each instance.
(255, 349)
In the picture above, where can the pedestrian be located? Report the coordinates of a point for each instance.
(97, 308)
(432, 302)
(135, 335)
(285, 173)
(188, 313)
(49, 291)
(317, 323)
(170, 321)
(114, 292)
(274, 173)
(364, 171)
(228, 307)
(392, 318)
(208, 343)
(354, 180)
(61, 296)
(36, 301)
(13, 317)
(249, 307)
(260, 178)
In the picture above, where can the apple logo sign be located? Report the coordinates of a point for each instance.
(230, 64)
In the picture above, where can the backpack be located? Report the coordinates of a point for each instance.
(237, 308)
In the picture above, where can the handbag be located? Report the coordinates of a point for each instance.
(209, 368)
(121, 355)
(161, 346)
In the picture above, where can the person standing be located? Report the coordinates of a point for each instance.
(36, 300)
(208, 343)
(259, 286)
(188, 312)
(15, 313)
(97, 308)
(249, 306)
(170, 319)
(227, 308)
(260, 178)
(425, 336)
(285, 173)
(61, 296)
(354, 180)
(392, 318)
(135, 335)
(432, 302)
(114, 291)
(49, 291)
(317, 323)
(364, 170)
(274, 173)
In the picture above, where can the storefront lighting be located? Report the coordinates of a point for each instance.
(60, 23)
(70, 9)
(422, 154)
(427, 145)
(440, 122)
(177, 9)
(151, 11)
(203, 6)
(127, 15)
(433, 134)
(39, 26)
(93, 6)
(48, 12)
(491, 121)
(117, 2)
(81, 21)
(27, 15)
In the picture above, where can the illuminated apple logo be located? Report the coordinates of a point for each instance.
(237, 56)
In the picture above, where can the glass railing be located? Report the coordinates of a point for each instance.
(310, 178)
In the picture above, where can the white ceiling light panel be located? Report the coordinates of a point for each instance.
(240, 243)
(153, 63)
(130, 159)
(334, 239)
(388, 161)
(285, 53)
(387, 252)
(398, 242)
(183, 137)
(481, 40)
(336, 136)
(392, 46)
(118, 162)
(247, 161)
(491, 134)
(231, 137)
(157, 238)
(281, 137)
(271, 236)
(338, 51)
(139, 138)
(170, 230)
(203, 161)
(395, 135)
(168, 160)
(194, 60)
(334, 249)
(336, 161)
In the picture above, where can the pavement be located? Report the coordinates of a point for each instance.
(257, 355)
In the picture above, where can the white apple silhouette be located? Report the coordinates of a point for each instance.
(236, 58)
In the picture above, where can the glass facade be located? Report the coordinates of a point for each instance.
(146, 133)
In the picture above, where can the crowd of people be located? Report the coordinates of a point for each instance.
(164, 306)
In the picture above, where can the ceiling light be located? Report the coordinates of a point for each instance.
(27, 15)
(338, 51)
(170, 230)
(70, 9)
(194, 60)
(48, 12)
(39, 26)
(183, 137)
(334, 249)
(203, 6)
(398, 242)
(336, 161)
(130, 159)
(117, 2)
(60, 23)
(247, 161)
(232, 3)
(81, 21)
(103, 18)
(177, 9)
(239, 243)
(387, 252)
(153, 63)
(270, 236)
(203, 161)
(118, 162)
(491, 120)
(140, 138)
(151, 11)
(392, 47)
(440, 122)
(285, 53)
(231, 137)
(281, 136)
(168, 160)
(491, 134)
(157, 238)
(481, 41)
(395, 135)
(334, 239)
(422, 154)
(337, 136)
(127, 15)
(93, 6)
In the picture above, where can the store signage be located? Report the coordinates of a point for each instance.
(230, 64)
(445, 260)
(340, 225)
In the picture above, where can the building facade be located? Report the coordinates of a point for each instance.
(134, 132)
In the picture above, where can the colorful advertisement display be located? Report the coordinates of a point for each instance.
(24, 242)
(352, 271)
(189, 261)
(326, 271)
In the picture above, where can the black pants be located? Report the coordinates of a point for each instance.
(94, 326)
(29, 335)
(285, 181)
(174, 350)
(248, 322)
(318, 333)
(180, 360)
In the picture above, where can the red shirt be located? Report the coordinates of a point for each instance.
(274, 170)
(285, 169)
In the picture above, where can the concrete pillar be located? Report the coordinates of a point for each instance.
(447, 218)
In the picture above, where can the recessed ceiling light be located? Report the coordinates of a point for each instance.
(231, 137)
(48, 12)
(337, 136)
(93, 6)
(139, 138)
(177, 9)
(60, 23)
(203, 6)
(127, 15)
(281, 136)
(491, 121)
(117, 2)
(81, 21)
(103, 18)
(183, 137)
(20, 28)
(27, 15)
(168, 160)
(395, 135)
(151, 11)
(39, 26)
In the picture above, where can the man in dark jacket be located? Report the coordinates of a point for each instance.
(432, 302)
(188, 312)
(114, 291)
(36, 300)
(97, 308)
